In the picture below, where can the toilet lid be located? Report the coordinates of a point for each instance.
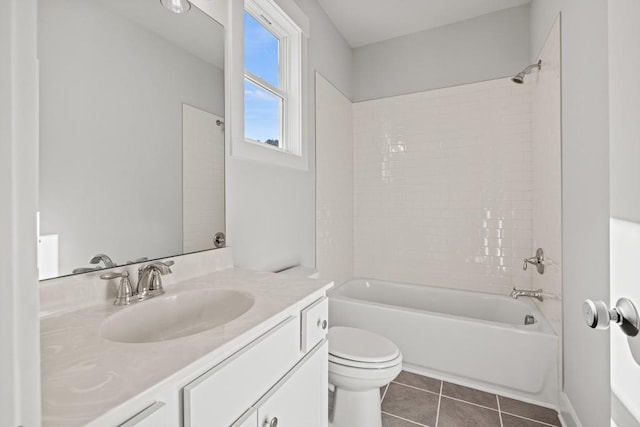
(360, 345)
(365, 365)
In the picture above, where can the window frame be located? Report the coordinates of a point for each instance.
(290, 37)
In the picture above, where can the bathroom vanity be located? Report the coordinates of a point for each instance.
(262, 360)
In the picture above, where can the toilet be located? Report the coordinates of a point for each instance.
(360, 362)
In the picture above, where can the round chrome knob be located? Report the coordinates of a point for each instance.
(322, 324)
(273, 422)
(596, 314)
(624, 314)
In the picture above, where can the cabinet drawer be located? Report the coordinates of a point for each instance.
(219, 396)
(315, 323)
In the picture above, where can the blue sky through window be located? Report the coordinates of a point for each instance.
(262, 108)
(261, 114)
(261, 51)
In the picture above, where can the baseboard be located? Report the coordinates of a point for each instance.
(620, 414)
(568, 416)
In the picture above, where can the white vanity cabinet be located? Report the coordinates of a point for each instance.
(281, 374)
(153, 416)
(300, 398)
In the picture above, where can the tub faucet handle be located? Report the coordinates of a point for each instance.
(537, 260)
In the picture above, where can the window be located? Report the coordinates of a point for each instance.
(272, 78)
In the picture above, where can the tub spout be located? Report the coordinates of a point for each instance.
(516, 293)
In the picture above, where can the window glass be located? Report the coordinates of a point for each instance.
(261, 51)
(262, 115)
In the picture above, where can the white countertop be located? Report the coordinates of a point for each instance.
(85, 376)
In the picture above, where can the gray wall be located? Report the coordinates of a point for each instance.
(111, 132)
(585, 188)
(624, 89)
(19, 321)
(270, 209)
(483, 48)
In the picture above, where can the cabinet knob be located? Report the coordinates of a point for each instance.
(322, 324)
(273, 422)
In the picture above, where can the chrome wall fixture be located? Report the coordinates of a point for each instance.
(537, 294)
(519, 78)
(537, 260)
(219, 240)
(624, 314)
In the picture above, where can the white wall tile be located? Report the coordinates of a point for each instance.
(334, 183)
(443, 187)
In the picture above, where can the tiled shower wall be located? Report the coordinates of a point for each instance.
(334, 183)
(546, 137)
(442, 184)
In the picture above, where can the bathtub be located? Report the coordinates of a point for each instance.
(471, 338)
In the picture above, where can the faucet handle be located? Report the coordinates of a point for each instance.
(125, 291)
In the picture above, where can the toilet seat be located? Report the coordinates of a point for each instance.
(365, 365)
(358, 348)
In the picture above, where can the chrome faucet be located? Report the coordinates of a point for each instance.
(516, 293)
(108, 263)
(149, 280)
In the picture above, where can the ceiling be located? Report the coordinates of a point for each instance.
(363, 22)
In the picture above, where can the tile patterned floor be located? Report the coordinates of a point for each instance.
(413, 400)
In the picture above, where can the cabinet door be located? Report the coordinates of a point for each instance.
(300, 398)
(249, 419)
(218, 397)
(153, 416)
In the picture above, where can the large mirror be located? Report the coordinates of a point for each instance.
(131, 133)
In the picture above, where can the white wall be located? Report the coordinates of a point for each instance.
(110, 163)
(624, 89)
(443, 187)
(270, 209)
(585, 190)
(334, 183)
(624, 131)
(19, 325)
(482, 48)
(546, 143)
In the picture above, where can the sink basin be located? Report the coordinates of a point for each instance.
(175, 316)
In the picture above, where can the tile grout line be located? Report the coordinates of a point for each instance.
(441, 394)
(384, 393)
(448, 397)
(439, 401)
(418, 388)
(404, 419)
(530, 419)
(469, 403)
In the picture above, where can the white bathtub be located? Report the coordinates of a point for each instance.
(471, 338)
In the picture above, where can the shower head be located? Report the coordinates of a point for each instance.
(519, 78)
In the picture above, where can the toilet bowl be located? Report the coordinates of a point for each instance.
(360, 362)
